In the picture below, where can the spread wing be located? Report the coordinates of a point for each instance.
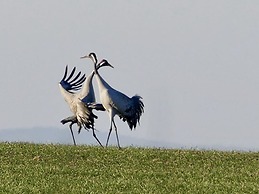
(70, 83)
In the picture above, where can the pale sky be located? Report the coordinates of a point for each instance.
(195, 63)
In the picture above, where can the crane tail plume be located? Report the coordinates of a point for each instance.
(85, 115)
(134, 112)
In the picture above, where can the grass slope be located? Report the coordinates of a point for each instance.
(32, 168)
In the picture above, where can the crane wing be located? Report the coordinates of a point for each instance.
(71, 84)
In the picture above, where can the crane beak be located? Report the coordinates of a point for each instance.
(109, 65)
(86, 56)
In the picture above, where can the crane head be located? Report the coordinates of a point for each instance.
(103, 63)
(92, 56)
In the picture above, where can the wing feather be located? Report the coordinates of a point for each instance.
(74, 84)
(85, 115)
(133, 112)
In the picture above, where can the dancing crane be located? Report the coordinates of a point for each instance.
(79, 103)
(115, 102)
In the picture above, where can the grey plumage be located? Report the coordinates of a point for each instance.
(115, 102)
(78, 102)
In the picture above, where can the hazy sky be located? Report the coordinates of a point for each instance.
(195, 63)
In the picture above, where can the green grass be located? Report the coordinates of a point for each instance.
(33, 168)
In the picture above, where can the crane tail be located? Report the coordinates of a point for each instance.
(134, 113)
(85, 115)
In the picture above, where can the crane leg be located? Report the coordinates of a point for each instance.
(109, 134)
(115, 127)
(70, 126)
(96, 137)
(79, 129)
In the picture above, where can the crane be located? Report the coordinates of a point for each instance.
(115, 102)
(79, 102)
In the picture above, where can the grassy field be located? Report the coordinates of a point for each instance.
(32, 168)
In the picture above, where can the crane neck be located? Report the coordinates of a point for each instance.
(87, 88)
(102, 84)
(95, 68)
